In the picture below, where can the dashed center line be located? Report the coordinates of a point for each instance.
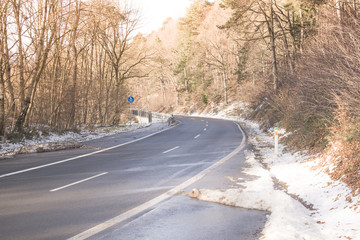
(81, 181)
(82, 156)
(204, 129)
(171, 149)
(150, 204)
(197, 136)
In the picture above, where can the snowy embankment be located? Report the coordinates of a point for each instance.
(53, 141)
(304, 202)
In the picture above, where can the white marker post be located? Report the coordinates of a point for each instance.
(276, 137)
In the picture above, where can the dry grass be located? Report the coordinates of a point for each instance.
(343, 155)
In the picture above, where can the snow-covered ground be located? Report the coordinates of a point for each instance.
(304, 202)
(72, 139)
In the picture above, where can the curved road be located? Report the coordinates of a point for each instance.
(59, 195)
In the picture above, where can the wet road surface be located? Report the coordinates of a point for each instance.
(59, 195)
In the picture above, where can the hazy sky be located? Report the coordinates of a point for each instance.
(155, 12)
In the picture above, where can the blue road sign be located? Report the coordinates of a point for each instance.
(131, 99)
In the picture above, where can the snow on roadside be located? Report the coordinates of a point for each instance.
(335, 215)
(328, 210)
(289, 219)
(68, 138)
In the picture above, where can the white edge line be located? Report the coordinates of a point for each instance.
(81, 181)
(137, 210)
(171, 149)
(82, 156)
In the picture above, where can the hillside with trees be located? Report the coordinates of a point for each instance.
(295, 63)
(67, 63)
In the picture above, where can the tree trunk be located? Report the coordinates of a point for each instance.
(338, 9)
(3, 66)
(301, 42)
(271, 30)
(7, 68)
(273, 48)
(163, 92)
(2, 99)
(355, 8)
(74, 67)
(288, 56)
(16, 7)
(225, 86)
(116, 118)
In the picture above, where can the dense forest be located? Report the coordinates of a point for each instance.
(64, 63)
(296, 64)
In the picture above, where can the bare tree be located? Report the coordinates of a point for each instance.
(3, 65)
(44, 17)
(74, 57)
(66, 62)
(254, 21)
(121, 22)
(220, 56)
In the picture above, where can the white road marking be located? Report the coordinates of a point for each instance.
(188, 164)
(204, 129)
(81, 181)
(145, 190)
(137, 210)
(81, 156)
(171, 149)
(197, 136)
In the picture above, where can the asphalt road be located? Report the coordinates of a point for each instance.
(59, 195)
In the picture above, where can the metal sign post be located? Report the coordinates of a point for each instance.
(130, 100)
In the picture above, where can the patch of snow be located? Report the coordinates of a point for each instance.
(333, 213)
(289, 219)
(30, 146)
(313, 185)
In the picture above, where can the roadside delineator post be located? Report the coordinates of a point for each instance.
(276, 138)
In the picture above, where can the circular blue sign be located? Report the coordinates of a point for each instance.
(131, 99)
